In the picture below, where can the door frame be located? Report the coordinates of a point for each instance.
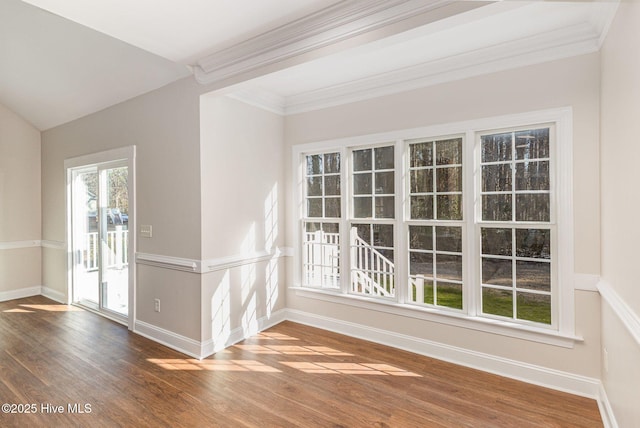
(127, 155)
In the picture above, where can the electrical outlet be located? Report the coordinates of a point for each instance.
(156, 305)
(605, 360)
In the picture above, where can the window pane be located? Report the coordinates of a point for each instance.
(449, 239)
(497, 242)
(449, 267)
(332, 207)
(383, 235)
(421, 264)
(314, 207)
(362, 184)
(421, 237)
(534, 307)
(496, 148)
(314, 186)
(533, 275)
(496, 207)
(362, 207)
(533, 243)
(422, 181)
(314, 164)
(332, 163)
(449, 179)
(362, 160)
(422, 290)
(450, 295)
(421, 154)
(384, 157)
(331, 227)
(532, 144)
(497, 302)
(385, 183)
(422, 207)
(533, 207)
(332, 185)
(385, 207)
(496, 178)
(449, 152)
(364, 232)
(532, 176)
(449, 207)
(497, 272)
(312, 227)
(388, 254)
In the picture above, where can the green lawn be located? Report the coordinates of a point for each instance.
(530, 307)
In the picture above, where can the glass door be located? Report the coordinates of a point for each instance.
(100, 238)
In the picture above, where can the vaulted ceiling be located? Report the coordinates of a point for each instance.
(64, 59)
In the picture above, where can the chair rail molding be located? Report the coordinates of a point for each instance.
(211, 265)
(628, 317)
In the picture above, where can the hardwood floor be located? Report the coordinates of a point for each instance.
(289, 376)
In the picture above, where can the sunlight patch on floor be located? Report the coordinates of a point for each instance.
(349, 368)
(265, 335)
(47, 308)
(213, 365)
(292, 350)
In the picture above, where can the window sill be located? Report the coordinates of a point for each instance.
(503, 328)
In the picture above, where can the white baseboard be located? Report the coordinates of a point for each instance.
(238, 334)
(54, 295)
(168, 338)
(20, 293)
(550, 378)
(606, 411)
(197, 349)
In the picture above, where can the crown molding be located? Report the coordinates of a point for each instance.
(563, 43)
(334, 24)
(566, 42)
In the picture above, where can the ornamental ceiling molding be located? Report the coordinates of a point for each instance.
(579, 39)
(338, 23)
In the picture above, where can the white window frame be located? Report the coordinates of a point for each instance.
(514, 224)
(562, 333)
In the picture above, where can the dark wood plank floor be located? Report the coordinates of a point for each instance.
(289, 376)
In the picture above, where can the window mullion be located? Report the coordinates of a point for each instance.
(401, 246)
(345, 212)
(470, 231)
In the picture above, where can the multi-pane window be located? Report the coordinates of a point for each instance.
(473, 229)
(321, 229)
(516, 229)
(372, 230)
(373, 183)
(435, 225)
(435, 170)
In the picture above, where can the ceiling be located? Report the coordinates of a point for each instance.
(64, 59)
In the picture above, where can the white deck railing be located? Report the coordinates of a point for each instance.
(373, 273)
(321, 254)
(116, 250)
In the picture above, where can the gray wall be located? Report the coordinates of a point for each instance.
(620, 207)
(164, 127)
(20, 212)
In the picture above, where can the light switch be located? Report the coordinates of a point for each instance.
(146, 231)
